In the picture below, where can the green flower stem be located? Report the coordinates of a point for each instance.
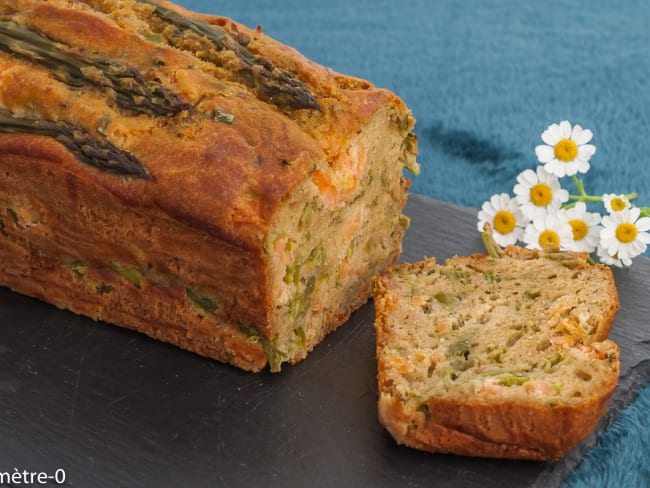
(579, 186)
(583, 197)
(595, 198)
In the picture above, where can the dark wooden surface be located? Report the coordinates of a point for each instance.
(114, 408)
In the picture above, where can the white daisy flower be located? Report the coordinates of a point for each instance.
(584, 226)
(548, 231)
(615, 203)
(624, 234)
(539, 192)
(505, 217)
(605, 258)
(566, 151)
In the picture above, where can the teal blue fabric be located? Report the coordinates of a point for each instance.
(484, 79)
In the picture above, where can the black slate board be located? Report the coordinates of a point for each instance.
(114, 408)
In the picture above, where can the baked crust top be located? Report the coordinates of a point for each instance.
(225, 164)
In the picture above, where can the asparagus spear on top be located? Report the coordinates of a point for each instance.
(132, 91)
(272, 84)
(101, 154)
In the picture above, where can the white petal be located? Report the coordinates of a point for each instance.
(644, 237)
(581, 165)
(552, 135)
(527, 177)
(570, 168)
(607, 221)
(614, 247)
(579, 209)
(544, 153)
(565, 129)
(495, 202)
(643, 224)
(561, 195)
(504, 239)
(586, 151)
(520, 191)
(487, 208)
(638, 247)
(624, 252)
(592, 219)
(483, 217)
(576, 133)
(556, 168)
(583, 137)
(608, 234)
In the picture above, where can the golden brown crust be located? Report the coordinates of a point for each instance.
(502, 430)
(251, 164)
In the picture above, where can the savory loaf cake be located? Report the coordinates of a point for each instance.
(502, 357)
(192, 179)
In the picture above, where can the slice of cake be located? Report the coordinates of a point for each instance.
(500, 356)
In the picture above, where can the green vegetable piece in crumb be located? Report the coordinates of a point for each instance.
(156, 38)
(532, 295)
(409, 152)
(76, 266)
(203, 303)
(460, 348)
(273, 355)
(317, 255)
(301, 338)
(292, 274)
(424, 408)
(513, 379)
(307, 215)
(446, 297)
(462, 364)
(567, 260)
(491, 276)
(104, 288)
(103, 124)
(554, 360)
(497, 357)
(403, 125)
(300, 302)
(456, 275)
(224, 117)
(404, 221)
(491, 246)
(129, 273)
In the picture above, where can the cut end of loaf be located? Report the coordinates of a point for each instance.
(496, 356)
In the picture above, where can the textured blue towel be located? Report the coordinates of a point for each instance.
(484, 79)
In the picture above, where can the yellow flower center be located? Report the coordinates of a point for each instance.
(626, 232)
(579, 228)
(566, 150)
(617, 204)
(548, 238)
(541, 194)
(504, 222)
